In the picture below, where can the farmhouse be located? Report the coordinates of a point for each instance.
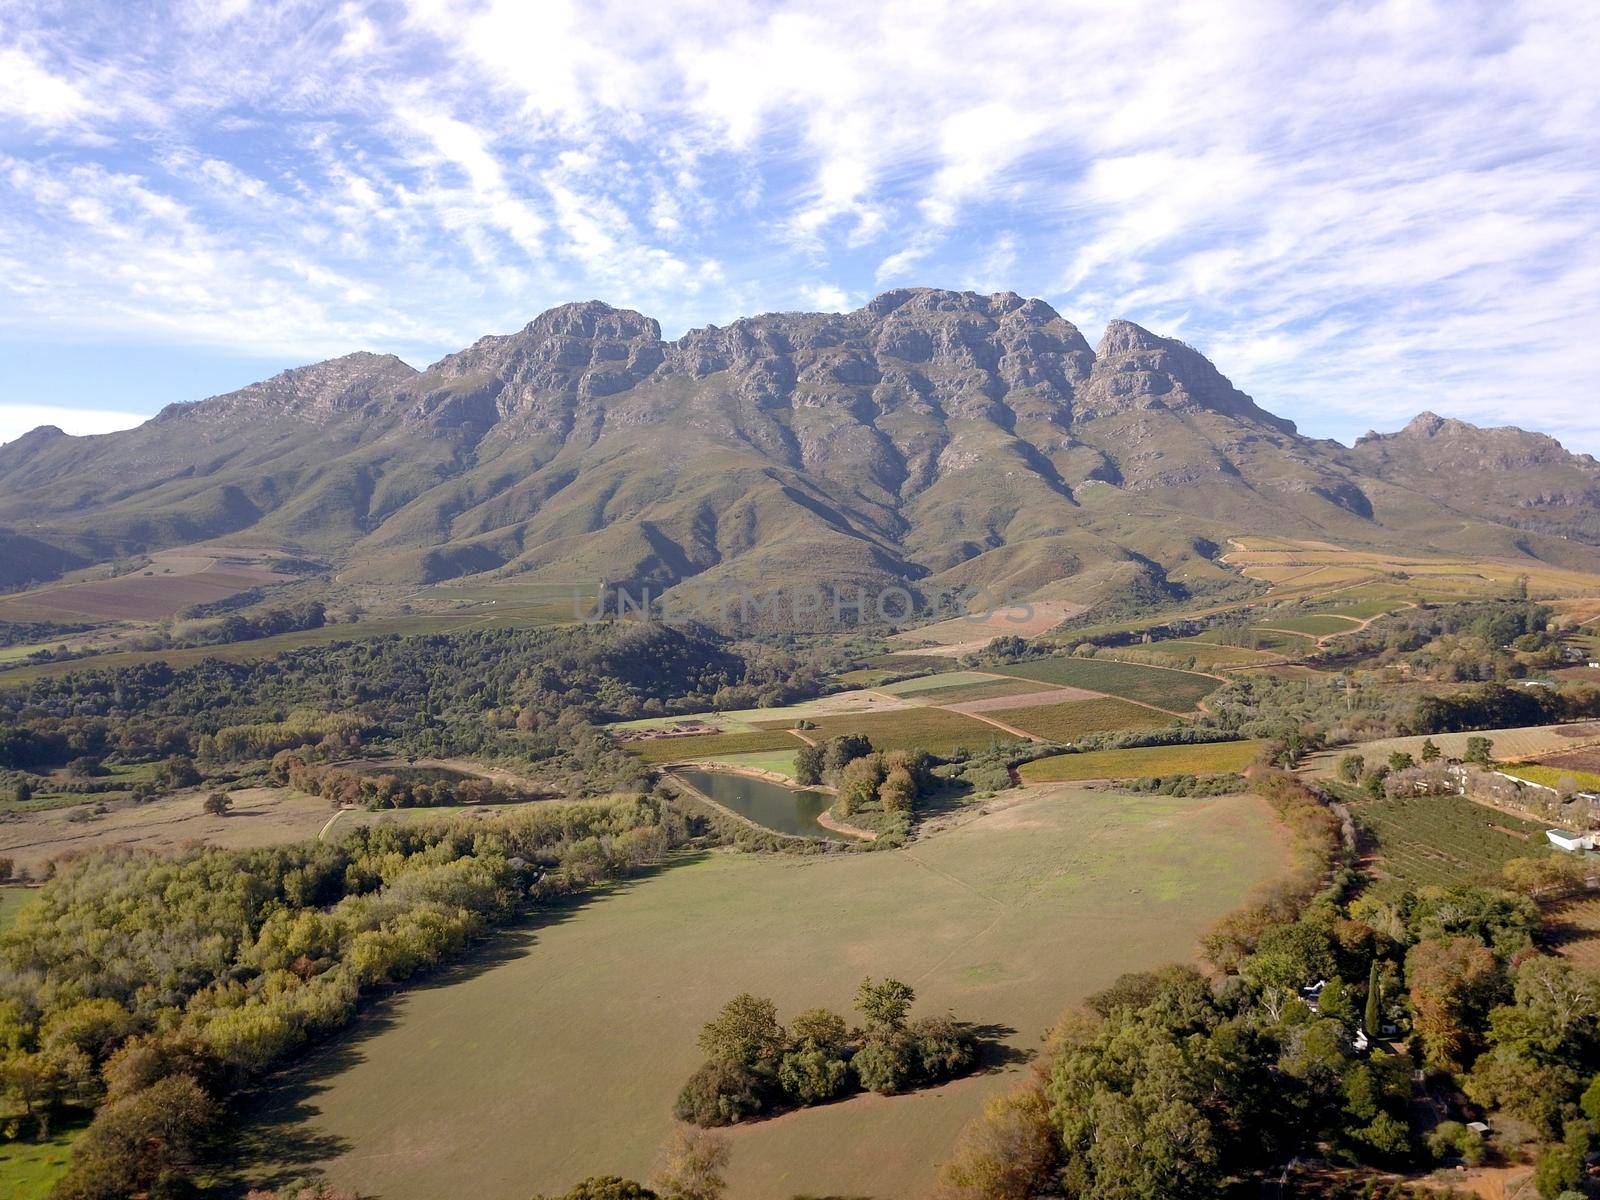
(1572, 843)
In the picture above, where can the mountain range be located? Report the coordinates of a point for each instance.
(932, 437)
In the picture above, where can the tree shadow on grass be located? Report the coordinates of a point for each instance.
(275, 1143)
(993, 1053)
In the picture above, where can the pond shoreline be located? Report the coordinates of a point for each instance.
(825, 819)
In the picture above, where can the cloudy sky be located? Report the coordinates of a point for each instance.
(1357, 210)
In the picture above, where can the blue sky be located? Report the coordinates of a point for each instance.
(1359, 211)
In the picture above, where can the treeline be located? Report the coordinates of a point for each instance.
(876, 789)
(21, 633)
(247, 626)
(376, 790)
(151, 988)
(1172, 1084)
(755, 1067)
(529, 695)
(1496, 706)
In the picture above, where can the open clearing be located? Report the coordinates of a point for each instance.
(1143, 762)
(260, 817)
(1022, 620)
(1177, 691)
(557, 1053)
(11, 901)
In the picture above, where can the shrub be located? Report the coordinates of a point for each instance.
(721, 1093)
(887, 1063)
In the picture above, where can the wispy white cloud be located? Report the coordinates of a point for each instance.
(1358, 210)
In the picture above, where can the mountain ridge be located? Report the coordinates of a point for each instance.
(930, 437)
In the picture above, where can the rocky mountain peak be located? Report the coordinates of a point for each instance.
(318, 391)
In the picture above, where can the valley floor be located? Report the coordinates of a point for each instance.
(557, 1052)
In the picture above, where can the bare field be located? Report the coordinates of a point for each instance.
(557, 1053)
(1023, 620)
(261, 817)
(174, 580)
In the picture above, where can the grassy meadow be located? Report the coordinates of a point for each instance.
(556, 1054)
(935, 729)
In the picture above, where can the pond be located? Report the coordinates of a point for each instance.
(772, 805)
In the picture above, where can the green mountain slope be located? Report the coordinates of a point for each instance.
(931, 437)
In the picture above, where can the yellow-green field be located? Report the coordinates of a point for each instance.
(29, 1169)
(934, 729)
(557, 1054)
(1523, 742)
(1553, 777)
(11, 901)
(1070, 721)
(1177, 691)
(1209, 758)
(714, 745)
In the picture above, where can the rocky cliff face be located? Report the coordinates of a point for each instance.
(1527, 480)
(930, 436)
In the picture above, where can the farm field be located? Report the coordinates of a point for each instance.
(1311, 624)
(1440, 840)
(1186, 652)
(715, 745)
(779, 762)
(935, 729)
(1069, 721)
(1523, 742)
(557, 1053)
(1028, 620)
(1550, 776)
(942, 680)
(261, 817)
(1142, 762)
(990, 688)
(1177, 691)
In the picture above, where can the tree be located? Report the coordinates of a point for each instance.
(147, 1142)
(1454, 982)
(218, 804)
(690, 1166)
(745, 1033)
(884, 1005)
(843, 749)
(813, 1069)
(1350, 768)
(1372, 1017)
(596, 1187)
(1558, 1170)
(1008, 1153)
(1480, 750)
(1399, 760)
(721, 1093)
(808, 766)
(887, 1063)
(177, 771)
(1591, 1101)
(1431, 751)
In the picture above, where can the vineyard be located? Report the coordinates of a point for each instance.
(1443, 840)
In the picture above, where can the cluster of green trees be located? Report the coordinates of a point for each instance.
(755, 1067)
(1188, 785)
(531, 696)
(1497, 706)
(403, 788)
(1465, 641)
(149, 988)
(877, 788)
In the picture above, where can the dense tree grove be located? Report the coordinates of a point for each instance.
(528, 695)
(755, 1067)
(148, 987)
